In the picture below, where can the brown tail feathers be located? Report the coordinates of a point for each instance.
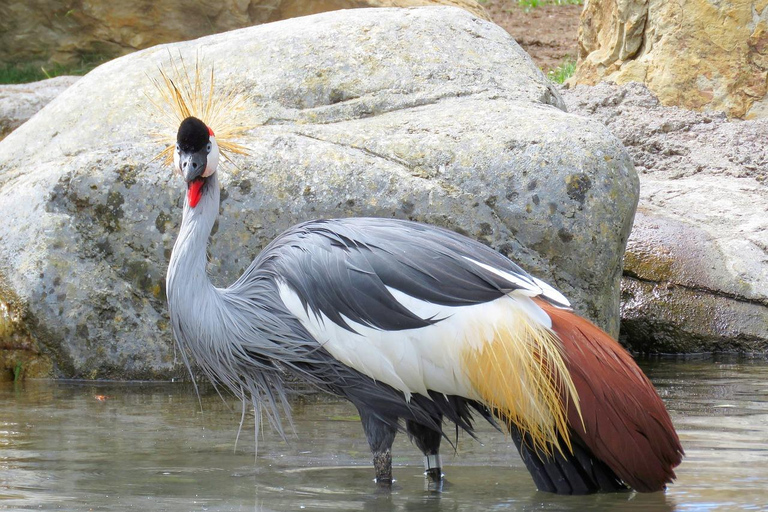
(625, 424)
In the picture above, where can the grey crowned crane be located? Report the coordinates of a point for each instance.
(416, 326)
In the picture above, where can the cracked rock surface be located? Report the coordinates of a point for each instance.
(696, 267)
(428, 114)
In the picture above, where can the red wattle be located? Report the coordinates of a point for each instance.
(195, 191)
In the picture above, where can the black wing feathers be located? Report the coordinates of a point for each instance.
(342, 268)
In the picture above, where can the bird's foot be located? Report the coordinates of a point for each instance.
(434, 475)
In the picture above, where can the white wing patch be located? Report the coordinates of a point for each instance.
(525, 284)
(552, 294)
(417, 360)
(531, 287)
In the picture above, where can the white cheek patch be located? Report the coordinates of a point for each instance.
(176, 164)
(213, 158)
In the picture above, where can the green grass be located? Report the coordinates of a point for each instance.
(532, 4)
(18, 372)
(25, 72)
(562, 72)
(19, 73)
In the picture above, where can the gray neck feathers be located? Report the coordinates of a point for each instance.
(194, 303)
(189, 251)
(192, 299)
(220, 328)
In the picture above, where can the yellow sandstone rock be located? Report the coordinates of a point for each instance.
(697, 54)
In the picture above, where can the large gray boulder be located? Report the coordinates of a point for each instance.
(429, 114)
(696, 267)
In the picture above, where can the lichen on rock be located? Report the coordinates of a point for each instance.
(20, 354)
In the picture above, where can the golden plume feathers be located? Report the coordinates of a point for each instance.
(184, 93)
(521, 376)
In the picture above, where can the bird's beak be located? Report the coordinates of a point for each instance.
(192, 165)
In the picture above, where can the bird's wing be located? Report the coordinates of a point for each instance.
(401, 302)
(347, 270)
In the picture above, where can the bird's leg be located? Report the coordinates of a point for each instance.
(380, 435)
(427, 440)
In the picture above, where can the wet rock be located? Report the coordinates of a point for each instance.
(20, 102)
(696, 267)
(695, 54)
(452, 125)
(20, 352)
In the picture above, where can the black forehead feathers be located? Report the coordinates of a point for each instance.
(193, 135)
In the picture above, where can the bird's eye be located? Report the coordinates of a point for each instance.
(177, 148)
(208, 148)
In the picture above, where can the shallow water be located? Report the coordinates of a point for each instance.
(120, 446)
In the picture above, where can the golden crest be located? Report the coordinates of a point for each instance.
(185, 92)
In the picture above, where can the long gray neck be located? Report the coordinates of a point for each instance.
(203, 321)
(223, 329)
(194, 304)
(187, 277)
